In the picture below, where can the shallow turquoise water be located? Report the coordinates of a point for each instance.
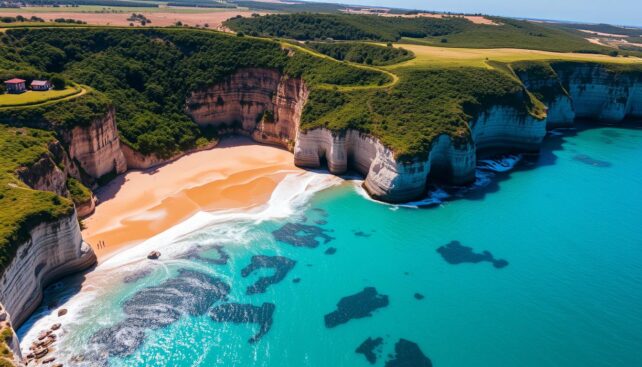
(571, 295)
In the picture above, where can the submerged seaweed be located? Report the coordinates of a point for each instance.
(455, 253)
(246, 314)
(190, 293)
(301, 235)
(281, 265)
(356, 306)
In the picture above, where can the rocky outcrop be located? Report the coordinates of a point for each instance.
(262, 103)
(587, 91)
(87, 208)
(96, 148)
(45, 175)
(392, 180)
(52, 251)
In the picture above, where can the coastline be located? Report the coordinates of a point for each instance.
(238, 174)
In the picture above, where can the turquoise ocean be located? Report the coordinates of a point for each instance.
(559, 285)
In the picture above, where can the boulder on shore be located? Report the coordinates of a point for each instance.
(62, 312)
(154, 255)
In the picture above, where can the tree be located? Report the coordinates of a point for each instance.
(58, 82)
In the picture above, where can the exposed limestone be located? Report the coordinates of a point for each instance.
(387, 178)
(96, 148)
(52, 251)
(259, 102)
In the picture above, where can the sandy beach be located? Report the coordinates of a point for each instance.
(140, 204)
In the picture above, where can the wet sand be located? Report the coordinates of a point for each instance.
(140, 204)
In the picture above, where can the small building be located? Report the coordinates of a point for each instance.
(41, 85)
(15, 85)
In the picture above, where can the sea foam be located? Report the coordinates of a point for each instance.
(292, 193)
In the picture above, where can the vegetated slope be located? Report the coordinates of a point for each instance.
(449, 31)
(22, 208)
(423, 105)
(148, 74)
(307, 26)
(362, 53)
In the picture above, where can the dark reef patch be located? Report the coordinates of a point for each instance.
(330, 251)
(408, 354)
(281, 265)
(419, 296)
(190, 293)
(583, 158)
(195, 254)
(356, 306)
(455, 253)
(370, 348)
(321, 222)
(301, 235)
(362, 234)
(246, 314)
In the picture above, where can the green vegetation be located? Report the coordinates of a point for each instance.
(423, 105)
(344, 27)
(35, 97)
(79, 193)
(80, 111)
(22, 207)
(149, 74)
(449, 31)
(362, 53)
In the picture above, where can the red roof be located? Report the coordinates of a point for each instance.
(39, 82)
(14, 81)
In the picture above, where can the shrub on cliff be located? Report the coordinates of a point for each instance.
(148, 75)
(22, 208)
(362, 53)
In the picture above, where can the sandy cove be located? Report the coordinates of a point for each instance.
(137, 205)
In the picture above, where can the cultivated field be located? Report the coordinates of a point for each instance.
(117, 16)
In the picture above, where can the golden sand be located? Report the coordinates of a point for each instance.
(140, 204)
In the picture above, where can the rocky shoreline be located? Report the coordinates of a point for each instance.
(267, 106)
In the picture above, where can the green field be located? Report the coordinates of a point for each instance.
(35, 97)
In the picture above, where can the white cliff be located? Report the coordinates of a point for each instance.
(53, 250)
(96, 148)
(261, 103)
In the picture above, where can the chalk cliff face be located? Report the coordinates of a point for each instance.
(45, 175)
(96, 148)
(503, 128)
(52, 251)
(390, 179)
(261, 103)
(589, 91)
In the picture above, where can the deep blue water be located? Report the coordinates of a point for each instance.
(561, 284)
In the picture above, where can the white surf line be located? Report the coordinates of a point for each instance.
(290, 195)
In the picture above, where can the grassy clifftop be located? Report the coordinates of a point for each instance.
(21, 207)
(445, 32)
(149, 73)
(423, 105)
